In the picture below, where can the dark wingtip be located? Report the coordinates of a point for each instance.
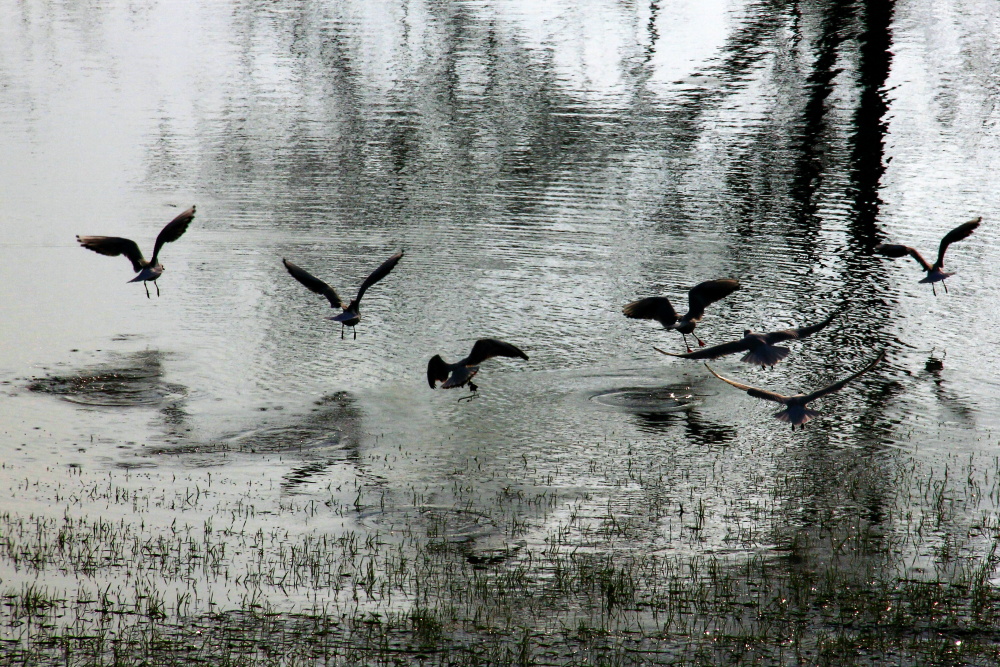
(437, 371)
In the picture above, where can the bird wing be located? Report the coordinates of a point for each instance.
(957, 234)
(896, 250)
(713, 352)
(314, 284)
(801, 332)
(708, 292)
(437, 370)
(172, 231)
(837, 386)
(113, 246)
(753, 391)
(486, 348)
(652, 308)
(379, 273)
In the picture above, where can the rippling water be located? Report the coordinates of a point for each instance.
(541, 167)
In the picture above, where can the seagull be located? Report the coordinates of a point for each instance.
(352, 313)
(461, 373)
(935, 273)
(148, 271)
(795, 410)
(701, 295)
(760, 348)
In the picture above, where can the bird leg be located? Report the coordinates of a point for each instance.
(355, 332)
(146, 285)
(701, 343)
(157, 286)
(474, 394)
(944, 283)
(341, 331)
(684, 336)
(933, 289)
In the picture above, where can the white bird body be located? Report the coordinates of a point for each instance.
(149, 273)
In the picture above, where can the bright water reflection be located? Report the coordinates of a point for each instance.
(541, 166)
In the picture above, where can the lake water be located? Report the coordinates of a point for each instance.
(541, 166)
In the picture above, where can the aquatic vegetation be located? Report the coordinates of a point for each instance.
(196, 571)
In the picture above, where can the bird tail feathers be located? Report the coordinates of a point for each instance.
(797, 416)
(767, 355)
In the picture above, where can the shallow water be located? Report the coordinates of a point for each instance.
(541, 167)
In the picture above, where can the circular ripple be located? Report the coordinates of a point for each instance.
(645, 399)
(441, 523)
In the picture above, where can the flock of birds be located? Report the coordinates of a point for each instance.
(760, 348)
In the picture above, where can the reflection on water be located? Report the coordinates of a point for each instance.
(698, 429)
(541, 164)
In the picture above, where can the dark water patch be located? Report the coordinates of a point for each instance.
(333, 425)
(134, 382)
(325, 437)
(135, 465)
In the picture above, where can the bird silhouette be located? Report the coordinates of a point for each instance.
(936, 272)
(461, 372)
(795, 410)
(760, 348)
(700, 296)
(148, 271)
(352, 311)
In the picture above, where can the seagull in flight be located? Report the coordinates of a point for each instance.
(352, 313)
(700, 296)
(935, 273)
(760, 348)
(461, 372)
(150, 270)
(795, 410)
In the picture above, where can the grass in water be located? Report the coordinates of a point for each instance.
(137, 570)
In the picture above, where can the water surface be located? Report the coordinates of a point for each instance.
(541, 167)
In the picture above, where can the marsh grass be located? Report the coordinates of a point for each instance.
(193, 573)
